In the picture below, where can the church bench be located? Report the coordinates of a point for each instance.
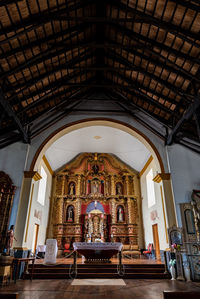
(9, 295)
(181, 295)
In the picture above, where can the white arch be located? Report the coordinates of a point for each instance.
(97, 122)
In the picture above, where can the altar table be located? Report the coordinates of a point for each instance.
(97, 251)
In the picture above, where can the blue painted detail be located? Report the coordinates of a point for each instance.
(91, 207)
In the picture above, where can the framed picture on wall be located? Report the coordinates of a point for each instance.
(175, 235)
(189, 220)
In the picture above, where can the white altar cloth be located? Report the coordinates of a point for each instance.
(51, 251)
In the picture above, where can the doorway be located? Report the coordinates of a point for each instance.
(35, 237)
(156, 240)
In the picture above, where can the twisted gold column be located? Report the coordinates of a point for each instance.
(112, 185)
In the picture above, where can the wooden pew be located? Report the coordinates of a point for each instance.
(181, 295)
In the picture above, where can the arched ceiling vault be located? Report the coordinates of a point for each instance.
(141, 55)
(98, 139)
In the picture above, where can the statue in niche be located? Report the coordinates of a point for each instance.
(95, 168)
(120, 214)
(95, 186)
(118, 189)
(70, 214)
(196, 211)
(72, 189)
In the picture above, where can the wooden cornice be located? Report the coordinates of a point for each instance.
(32, 175)
(161, 177)
(46, 162)
(146, 166)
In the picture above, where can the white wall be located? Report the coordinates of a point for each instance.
(185, 174)
(38, 209)
(12, 162)
(147, 221)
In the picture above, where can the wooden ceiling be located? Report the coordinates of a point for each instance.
(144, 55)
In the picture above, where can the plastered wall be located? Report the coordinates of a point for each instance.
(154, 214)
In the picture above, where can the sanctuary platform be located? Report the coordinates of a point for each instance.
(133, 268)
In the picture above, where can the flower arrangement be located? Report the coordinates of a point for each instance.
(172, 262)
(176, 246)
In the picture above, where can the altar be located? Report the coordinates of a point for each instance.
(101, 252)
(97, 253)
(96, 197)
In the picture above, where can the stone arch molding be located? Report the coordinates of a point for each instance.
(97, 122)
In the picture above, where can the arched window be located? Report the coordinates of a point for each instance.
(120, 214)
(70, 214)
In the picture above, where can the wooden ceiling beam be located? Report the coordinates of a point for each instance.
(170, 27)
(47, 98)
(37, 20)
(50, 40)
(115, 94)
(180, 71)
(6, 106)
(188, 4)
(140, 120)
(153, 43)
(7, 2)
(168, 85)
(138, 90)
(53, 86)
(41, 57)
(25, 85)
(186, 116)
(77, 96)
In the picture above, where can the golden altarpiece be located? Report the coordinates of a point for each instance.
(96, 197)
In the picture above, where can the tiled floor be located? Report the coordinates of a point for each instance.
(134, 288)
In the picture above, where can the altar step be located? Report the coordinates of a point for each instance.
(141, 271)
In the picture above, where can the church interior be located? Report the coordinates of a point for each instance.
(99, 148)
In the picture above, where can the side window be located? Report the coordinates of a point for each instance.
(150, 189)
(42, 187)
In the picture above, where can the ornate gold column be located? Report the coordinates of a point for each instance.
(130, 209)
(78, 210)
(127, 184)
(78, 189)
(113, 210)
(63, 185)
(59, 211)
(133, 184)
(113, 191)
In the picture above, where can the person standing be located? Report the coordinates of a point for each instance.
(9, 239)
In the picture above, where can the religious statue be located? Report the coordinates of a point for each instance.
(120, 214)
(119, 189)
(70, 215)
(196, 210)
(9, 239)
(95, 168)
(72, 189)
(95, 187)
